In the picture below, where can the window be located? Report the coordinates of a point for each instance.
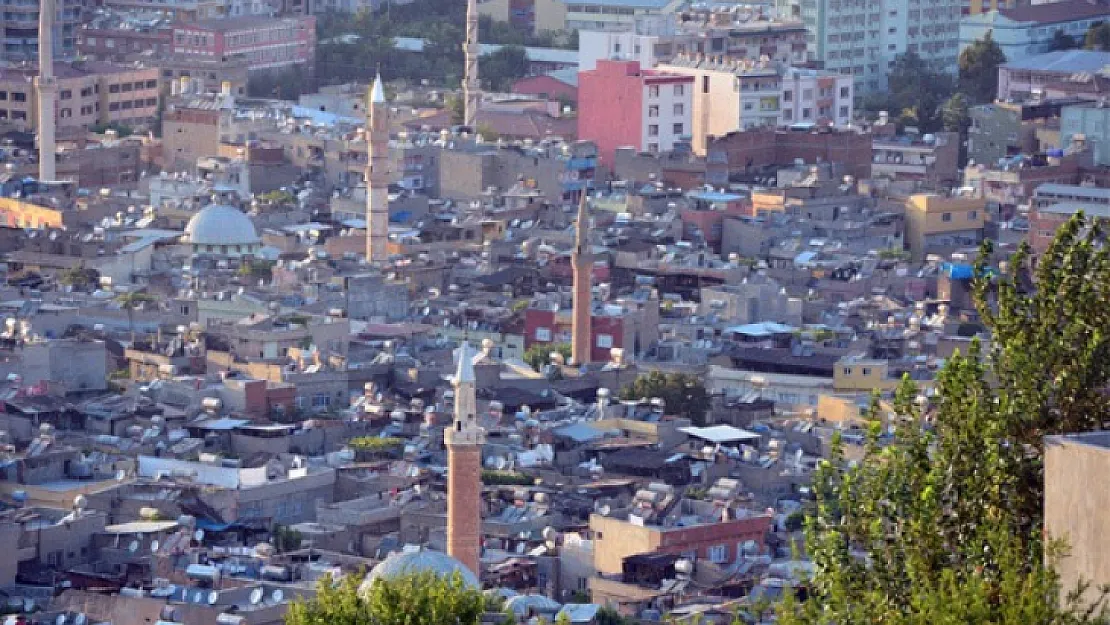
(653, 110)
(65, 94)
(653, 130)
(604, 341)
(678, 130)
(19, 114)
(653, 91)
(867, 371)
(806, 113)
(705, 84)
(787, 96)
(845, 92)
(807, 94)
(125, 86)
(718, 554)
(114, 106)
(787, 115)
(972, 215)
(653, 147)
(19, 96)
(113, 88)
(679, 90)
(65, 113)
(679, 109)
(321, 400)
(543, 334)
(847, 371)
(151, 84)
(843, 111)
(946, 217)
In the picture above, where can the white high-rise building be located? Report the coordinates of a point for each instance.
(863, 37)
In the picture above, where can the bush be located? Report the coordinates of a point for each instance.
(506, 478)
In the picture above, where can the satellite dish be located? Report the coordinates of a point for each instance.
(134, 546)
(121, 475)
(198, 535)
(154, 546)
(61, 620)
(256, 596)
(277, 596)
(213, 597)
(198, 597)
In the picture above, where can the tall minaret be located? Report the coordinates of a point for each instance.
(471, 90)
(582, 262)
(377, 173)
(48, 90)
(464, 440)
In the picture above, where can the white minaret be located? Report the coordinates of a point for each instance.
(464, 439)
(377, 174)
(48, 90)
(472, 92)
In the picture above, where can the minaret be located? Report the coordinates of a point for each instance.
(48, 90)
(464, 440)
(472, 93)
(377, 173)
(582, 262)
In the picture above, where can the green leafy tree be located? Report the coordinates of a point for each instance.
(286, 539)
(457, 105)
(503, 67)
(957, 118)
(682, 393)
(80, 277)
(420, 598)
(916, 91)
(539, 354)
(979, 69)
(1098, 37)
(1062, 41)
(943, 523)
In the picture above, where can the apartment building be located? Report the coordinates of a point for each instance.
(1024, 31)
(268, 43)
(615, 15)
(741, 94)
(88, 94)
(1054, 204)
(1087, 124)
(19, 25)
(532, 16)
(624, 105)
(937, 224)
(1052, 74)
(930, 160)
(862, 38)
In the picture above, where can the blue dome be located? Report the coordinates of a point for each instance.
(398, 564)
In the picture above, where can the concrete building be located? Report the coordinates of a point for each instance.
(531, 16)
(737, 153)
(68, 365)
(926, 160)
(88, 94)
(1026, 31)
(464, 439)
(862, 39)
(19, 25)
(1087, 125)
(1002, 129)
(268, 43)
(937, 224)
(740, 94)
(624, 105)
(1074, 512)
(1054, 204)
(615, 15)
(1051, 74)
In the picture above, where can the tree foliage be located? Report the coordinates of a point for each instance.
(539, 354)
(683, 394)
(1062, 41)
(502, 68)
(979, 69)
(1098, 37)
(419, 598)
(942, 523)
(916, 91)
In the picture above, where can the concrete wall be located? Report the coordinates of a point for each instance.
(1076, 512)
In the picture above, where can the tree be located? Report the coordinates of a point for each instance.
(943, 522)
(682, 394)
(539, 354)
(1062, 41)
(457, 106)
(286, 539)
(502, 68)
(916, 90)
(1098, 37)
(957, 118)
(129, 302)
(79, 277)
(979, 69)
(414, 598)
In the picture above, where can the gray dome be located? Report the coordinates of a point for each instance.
(398, 564)
(218, 224)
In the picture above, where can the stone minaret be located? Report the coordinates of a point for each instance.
(472, 93)
(464, 439)
(48, 90)
(377, 173)
(582, 263)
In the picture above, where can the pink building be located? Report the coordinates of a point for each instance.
(268, 43)
(621, 105)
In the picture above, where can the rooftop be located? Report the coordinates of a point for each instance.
(1057, 12)
(1068, 61)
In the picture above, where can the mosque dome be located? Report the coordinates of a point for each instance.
(419, 561)
(219, 224)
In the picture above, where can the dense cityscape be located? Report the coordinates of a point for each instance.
(576, 312)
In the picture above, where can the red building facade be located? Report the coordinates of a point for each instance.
(268, 43)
